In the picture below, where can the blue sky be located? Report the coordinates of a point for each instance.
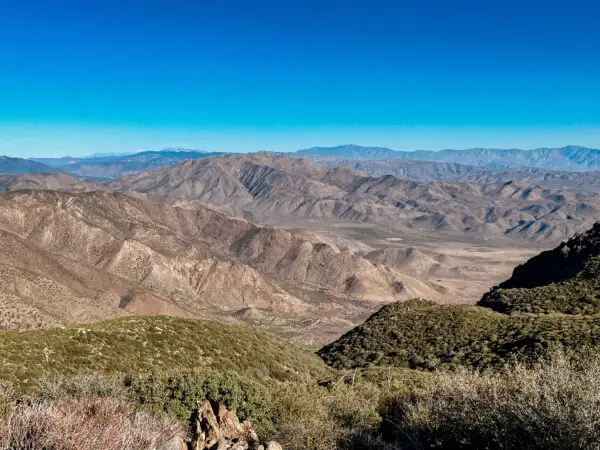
(82, 77)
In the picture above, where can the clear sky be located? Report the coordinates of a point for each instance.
(80, 77)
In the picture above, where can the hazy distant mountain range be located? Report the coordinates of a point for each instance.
(571, 158)
(18, 166)
(113, 166)
(570, 167)
(268, 188)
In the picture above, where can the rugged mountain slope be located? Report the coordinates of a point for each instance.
(566, 280)
(571, 158)
(420, 334)
(17, 166)
(114, 166)
(265, 187)
(80, 257)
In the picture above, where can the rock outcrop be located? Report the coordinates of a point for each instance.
(217, 428)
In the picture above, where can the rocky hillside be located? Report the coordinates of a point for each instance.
(264, 187)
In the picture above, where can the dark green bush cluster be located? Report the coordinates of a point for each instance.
(176, 393)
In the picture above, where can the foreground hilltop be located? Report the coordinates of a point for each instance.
(270, 188)
(137, 345)
(421, 334)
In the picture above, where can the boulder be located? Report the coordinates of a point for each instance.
(217, 428)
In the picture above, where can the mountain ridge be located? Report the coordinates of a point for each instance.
(431, 171)
(262, 186)
(571, 158)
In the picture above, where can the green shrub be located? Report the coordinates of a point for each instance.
(312, 417)
(177, 393)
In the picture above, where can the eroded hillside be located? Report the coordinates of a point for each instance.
(82, 257)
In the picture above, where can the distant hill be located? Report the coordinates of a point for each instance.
(570, 158)
(18, 166)
(111, 166)
(50, 181)
(518, 319)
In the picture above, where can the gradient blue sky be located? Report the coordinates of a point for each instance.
(79, 77)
